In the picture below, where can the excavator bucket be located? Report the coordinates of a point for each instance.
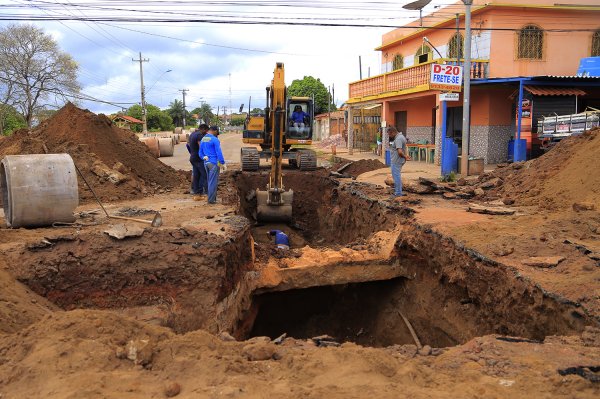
(266, 212)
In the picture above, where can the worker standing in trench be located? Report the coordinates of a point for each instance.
(210, 152)
(199, 177)
(398, 157)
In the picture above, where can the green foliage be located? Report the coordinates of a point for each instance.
(156, 119)
(450, 177)
(176, 112)
(204, 113)
(257, 111)
(309, 86)
(10, 120)
(237, 120)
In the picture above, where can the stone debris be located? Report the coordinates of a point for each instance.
(121, 231)
(475, 208)
(543, 261)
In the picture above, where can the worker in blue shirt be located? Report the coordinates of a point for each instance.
(210, 152)
(299, 117)
(281, 239)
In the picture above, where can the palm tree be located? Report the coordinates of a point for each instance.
(176, 111)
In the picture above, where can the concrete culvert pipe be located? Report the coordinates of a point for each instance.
(152, 143)
(166, 147)
(38, 189)
(178, 130)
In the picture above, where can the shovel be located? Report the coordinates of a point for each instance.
(155, 222)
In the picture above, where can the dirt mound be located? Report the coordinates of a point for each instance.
(565, 175)
(113, 160)
(362, 166)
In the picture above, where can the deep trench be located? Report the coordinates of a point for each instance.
(450, 297)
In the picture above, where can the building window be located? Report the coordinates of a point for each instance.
(530, 43)
(398, 62)
(596, 44)
(455, 47)
(424, 54)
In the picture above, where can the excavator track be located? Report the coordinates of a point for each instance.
(250, 159)
(307, 160)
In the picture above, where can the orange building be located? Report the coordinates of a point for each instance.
(531, 48)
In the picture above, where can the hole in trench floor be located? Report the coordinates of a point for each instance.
(364, 313)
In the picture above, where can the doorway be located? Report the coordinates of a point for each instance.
(401, 121)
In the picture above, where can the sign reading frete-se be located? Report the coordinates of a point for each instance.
(446, 77)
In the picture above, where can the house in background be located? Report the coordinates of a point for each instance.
(126, 121)
(519, 50)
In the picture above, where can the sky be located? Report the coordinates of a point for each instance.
(218, 61)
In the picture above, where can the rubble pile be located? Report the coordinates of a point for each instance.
(115, 163)
(337, 140)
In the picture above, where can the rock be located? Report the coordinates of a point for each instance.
(478, 191)
(140, 351)
(172, 389)
(121, 231)
(118, 166)
(461, 182)
(504, 251)
(425, 350)
(418, 188)
(543, 261)
(258, 351)
(490, 210)
(389, 181)
(508, 201)
(449, 196)
(495, 182)
(583, 206)
(225, 336)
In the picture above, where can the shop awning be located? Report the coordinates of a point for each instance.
(554, 91)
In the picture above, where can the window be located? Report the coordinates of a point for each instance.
(398, 62)
(530, 43)
(596, 44)
(424, 54)
(455, 47)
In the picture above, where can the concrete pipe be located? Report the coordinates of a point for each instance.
(152, 144)
(166, 146)
(178, 130)
(38, 189)
(177, 138)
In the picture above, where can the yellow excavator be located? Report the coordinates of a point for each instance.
(275, 133)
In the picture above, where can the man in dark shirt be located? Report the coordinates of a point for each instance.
(199, 178)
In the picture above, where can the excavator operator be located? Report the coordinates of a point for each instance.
(299, 117)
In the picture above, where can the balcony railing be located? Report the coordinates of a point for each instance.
(415, 78)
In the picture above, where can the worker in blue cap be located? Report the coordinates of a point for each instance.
(281, 239)
(210, 152)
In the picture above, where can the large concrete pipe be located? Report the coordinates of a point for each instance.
(38, 189)
(179, 130)
(166, 146)
(152, 143)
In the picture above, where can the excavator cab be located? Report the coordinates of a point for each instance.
(300, 117)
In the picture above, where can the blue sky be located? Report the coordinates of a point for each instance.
(210, 58)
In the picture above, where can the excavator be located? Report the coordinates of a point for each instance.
(275, 133)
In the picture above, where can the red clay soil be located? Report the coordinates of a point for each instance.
(565, 175)
(93, 139)
(357, 167)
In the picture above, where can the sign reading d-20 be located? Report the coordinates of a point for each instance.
(446, 77)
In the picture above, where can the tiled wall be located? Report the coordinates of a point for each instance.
(415, 133)
(491, 142)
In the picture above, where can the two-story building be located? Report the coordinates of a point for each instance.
(530, 48)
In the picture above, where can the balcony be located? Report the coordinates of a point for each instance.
(407, 80)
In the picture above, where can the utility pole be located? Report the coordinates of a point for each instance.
(230, 112)
(144, 120)
(183, 91)
(464, 160)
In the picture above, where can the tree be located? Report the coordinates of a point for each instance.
(204, 113)
(10, 120)
(33, 70)
(156, 119)
(257, 111)
(309, 86)
(176, 112)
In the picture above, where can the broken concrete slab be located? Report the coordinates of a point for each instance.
(543, 261)
(490, 210)
(121, 231)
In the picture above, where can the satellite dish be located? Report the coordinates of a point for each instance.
(417, 5)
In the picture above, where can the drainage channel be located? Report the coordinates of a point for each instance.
(355, 267)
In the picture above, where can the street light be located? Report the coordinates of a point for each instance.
(464, 161)
(161, 75)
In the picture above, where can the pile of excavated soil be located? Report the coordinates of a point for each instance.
(113, 160)
(362, 166)
(566, 175)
